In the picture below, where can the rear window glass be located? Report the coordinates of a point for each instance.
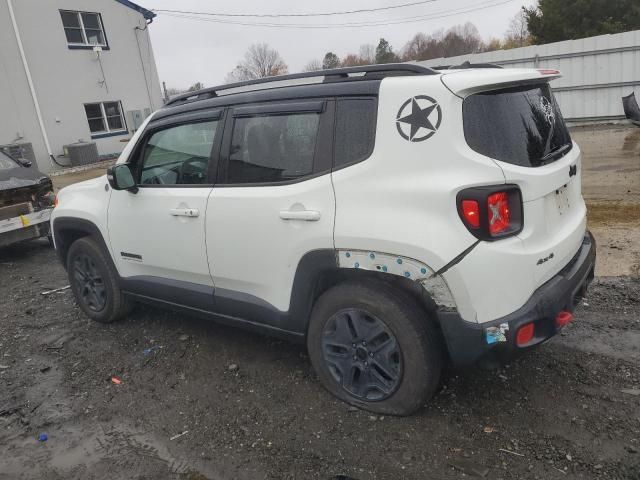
(6, 163)
(522, 126)
(272, 148)
(355, 130)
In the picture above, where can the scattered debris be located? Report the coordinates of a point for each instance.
(489, 429)
(470, 468)
(353, 409)
(147, 351)
(45, 369)
(233, 367)
(4, 367)
(631, 391)
(512, 453)
(631, 109)
(115, 380)
(55, 290)
(179, 435)
(183, 338)
(561, 471)
(43, 437)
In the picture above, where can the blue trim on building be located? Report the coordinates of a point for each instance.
(148, 14)
(110, 134)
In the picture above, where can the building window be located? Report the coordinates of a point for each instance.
(105, 118)
(83, 29)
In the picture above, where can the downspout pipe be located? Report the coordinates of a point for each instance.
(30, 81)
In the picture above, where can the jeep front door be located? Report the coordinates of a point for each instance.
(157, 233)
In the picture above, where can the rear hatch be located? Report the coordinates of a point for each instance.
(512, 117)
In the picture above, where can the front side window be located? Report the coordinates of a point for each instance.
(272, 148)
(105, 118)
(178, 155)
(521, 125)
(83, 28)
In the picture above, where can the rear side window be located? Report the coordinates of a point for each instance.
(272, 148)
(355, 130)
(522, 126)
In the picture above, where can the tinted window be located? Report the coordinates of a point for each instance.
(6, 163)
(178, 155)
(355, 130)
(272, 148)
(522, 126)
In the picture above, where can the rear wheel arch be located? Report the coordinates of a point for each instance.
(318, 271)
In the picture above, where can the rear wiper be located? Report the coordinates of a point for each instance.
(556, 152)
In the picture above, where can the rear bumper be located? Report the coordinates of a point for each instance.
(469, 343)
(25, 227)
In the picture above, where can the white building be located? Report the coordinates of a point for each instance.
(74, 70)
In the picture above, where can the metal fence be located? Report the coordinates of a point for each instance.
(597, 72)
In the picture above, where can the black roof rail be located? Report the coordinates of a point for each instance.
(331, 75)
(466, 64)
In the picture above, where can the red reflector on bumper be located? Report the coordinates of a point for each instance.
(525, 334)
(563, 318)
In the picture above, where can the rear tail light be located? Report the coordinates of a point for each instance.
(563, 318)
(491, 213)
(471, 213)
(525, 334)
(499, 213)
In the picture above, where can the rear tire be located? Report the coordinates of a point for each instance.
(94, 282)
(375, 347)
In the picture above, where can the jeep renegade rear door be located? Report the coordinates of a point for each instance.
(273, 202)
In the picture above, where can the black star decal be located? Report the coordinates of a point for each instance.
(419, 118)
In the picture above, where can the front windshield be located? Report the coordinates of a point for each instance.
(6, 163)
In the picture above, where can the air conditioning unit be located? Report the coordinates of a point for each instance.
(20, 150)
(81, 153)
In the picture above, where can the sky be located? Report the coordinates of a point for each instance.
(189, 51)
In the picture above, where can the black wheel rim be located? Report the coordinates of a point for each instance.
(362, 354)
(90, 284)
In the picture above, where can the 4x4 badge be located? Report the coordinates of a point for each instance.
(418, 118)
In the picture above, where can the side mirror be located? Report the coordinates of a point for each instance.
(24, 162)
(121, 178)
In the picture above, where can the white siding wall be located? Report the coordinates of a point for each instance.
(66, 79)
(597, 71)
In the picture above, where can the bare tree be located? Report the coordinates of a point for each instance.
(331, 60)
(259, 61)
(367, 54)
(353, 60)
(518, 33)
(313, 66)
(195, 87)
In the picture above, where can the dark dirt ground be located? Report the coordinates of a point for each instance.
(560, 411)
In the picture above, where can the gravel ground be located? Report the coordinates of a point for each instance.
(249, 407)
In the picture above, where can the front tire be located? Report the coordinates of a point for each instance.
(374, 347)
(95, 283)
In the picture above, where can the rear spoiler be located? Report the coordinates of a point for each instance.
(467, 82)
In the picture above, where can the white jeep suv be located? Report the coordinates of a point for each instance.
(393, 217)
